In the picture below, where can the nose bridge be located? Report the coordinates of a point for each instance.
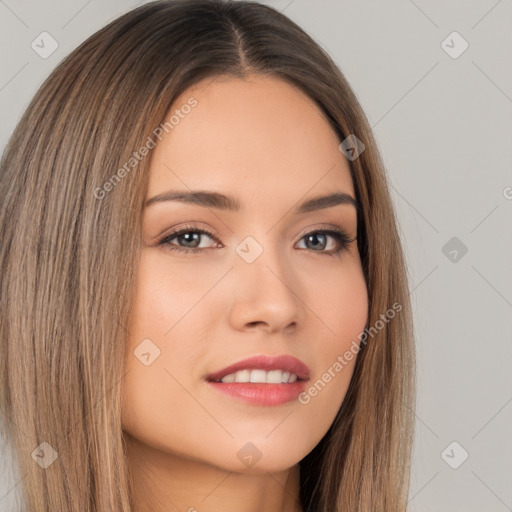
(265, 286)
(262, 259)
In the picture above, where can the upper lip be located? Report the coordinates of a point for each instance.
(264, 362)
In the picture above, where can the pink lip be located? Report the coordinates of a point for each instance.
(259, 393)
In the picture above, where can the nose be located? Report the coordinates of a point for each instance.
(266, 295)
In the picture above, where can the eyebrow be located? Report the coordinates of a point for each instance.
(223, 202)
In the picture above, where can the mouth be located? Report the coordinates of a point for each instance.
(262, 380)
(260, 376)
(263, 369)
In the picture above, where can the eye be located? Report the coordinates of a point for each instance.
(317, 241)
(191, 237)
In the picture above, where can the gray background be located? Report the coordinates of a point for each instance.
(444, 127)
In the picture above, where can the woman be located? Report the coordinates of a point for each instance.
(268, 366)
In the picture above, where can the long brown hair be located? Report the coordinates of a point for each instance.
(68, 257)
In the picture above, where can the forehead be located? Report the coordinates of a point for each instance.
(249, 137)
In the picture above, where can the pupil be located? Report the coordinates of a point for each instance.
(187, 237)
(315, 236)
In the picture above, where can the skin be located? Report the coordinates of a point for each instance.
(266, 143)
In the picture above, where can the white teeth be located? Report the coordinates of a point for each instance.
(261, 376)
(242, 376)
(258, 376)
(274, 377)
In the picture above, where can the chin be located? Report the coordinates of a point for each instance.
(260, 456)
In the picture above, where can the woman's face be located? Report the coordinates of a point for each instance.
(263, 281)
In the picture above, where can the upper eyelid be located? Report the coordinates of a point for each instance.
(208, 231)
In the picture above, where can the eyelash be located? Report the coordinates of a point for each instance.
(339, 235)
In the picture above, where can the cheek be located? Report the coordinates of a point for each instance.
(168, 320)
(340, 301)
(167, 293)
(338, 296)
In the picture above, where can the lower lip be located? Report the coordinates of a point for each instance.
(262, 394)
